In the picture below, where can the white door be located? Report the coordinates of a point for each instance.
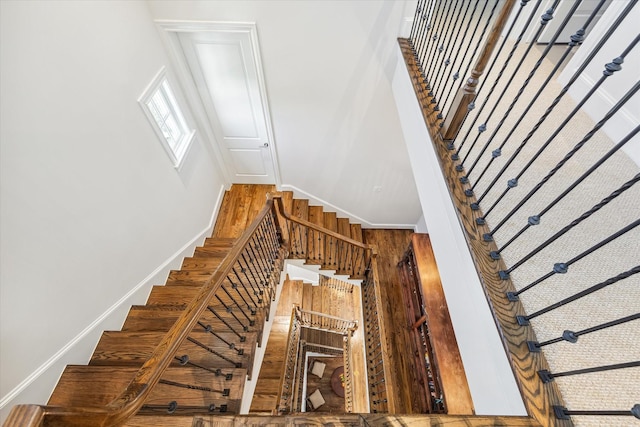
(223, 64)
(577, 20)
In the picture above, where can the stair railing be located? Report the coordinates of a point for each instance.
(248, 275)
(324, 322)
(382, 384)
(288, 380)
(466, 71)
(327, 248)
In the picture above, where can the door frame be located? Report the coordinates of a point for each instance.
(169, 31)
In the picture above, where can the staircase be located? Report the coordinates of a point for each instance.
(208, 373)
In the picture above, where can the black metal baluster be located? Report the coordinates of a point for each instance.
(545, 19)
(565, 414)
(184, 360)
(547, 376)
(563, 267)
(437, 40)
(447, 53)
(229, 309)
(610, 69)
(535, 219)
(224, 392)
(270, 235)
(260, 259)
(496, 54)
(524, 320)
(627, 185)
(483, 126)
(421, 25)
(210, 330)
(576, 39)
(572, 337)
(243, 338)
(429, 41)
(173, 407)
(254, 279)
(456, 76)
(254, 305)
(216, 353)
(253, 260)
(416, 22)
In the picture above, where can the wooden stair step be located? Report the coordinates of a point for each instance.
(194, 278)
(166, 420)
(210, 251)
(161, 295)
(201, 263)
(161, 318)
(315, 251)
(219, 242)
(344, 227)
(134, 348)
(99, 385)
(300, 208)
(356, 232)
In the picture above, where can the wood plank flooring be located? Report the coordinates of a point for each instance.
(391, 246)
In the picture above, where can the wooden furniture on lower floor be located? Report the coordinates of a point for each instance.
(336, 381)
(439, 374)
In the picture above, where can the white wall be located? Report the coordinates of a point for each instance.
(615, 86)
(493, 387)
(92, 211)
(328, 67)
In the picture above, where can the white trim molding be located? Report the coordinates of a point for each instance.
(313, 200)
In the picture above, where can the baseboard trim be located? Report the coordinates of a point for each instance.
(16, 391)
(297, 192)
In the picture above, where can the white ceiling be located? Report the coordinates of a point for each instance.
(328, 67)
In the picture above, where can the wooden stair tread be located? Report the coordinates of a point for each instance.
(344, 227)
(162, 317)
(99, 385)
(356, 232)
(166, 295)
(201, 263)
(300, 208)
(210, 251)
(134, 348)
(160, 420)
(220, 242)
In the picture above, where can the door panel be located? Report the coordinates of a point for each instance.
(223, 67)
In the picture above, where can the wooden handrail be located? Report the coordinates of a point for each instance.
(280, 207)
(467, 93)
(131, 400)
(349, 325)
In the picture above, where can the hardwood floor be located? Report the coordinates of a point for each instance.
(333, 403)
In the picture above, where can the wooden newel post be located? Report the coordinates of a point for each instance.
(467, 93)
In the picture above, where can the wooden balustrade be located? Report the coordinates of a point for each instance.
(133, 397)
(325, 322)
